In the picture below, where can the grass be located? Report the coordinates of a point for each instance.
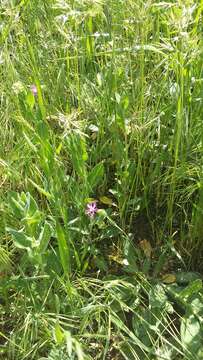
(116, 120)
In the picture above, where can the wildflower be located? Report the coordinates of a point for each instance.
(91, 209)
(33, 89)
(125, 262)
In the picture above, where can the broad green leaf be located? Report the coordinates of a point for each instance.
(59, 335)
(16, 205)
(20, 240)
(131, 256)
(34, 219)
(191, 334)
(196, 303)
(159, 299)
(31, 205)
(184, 278)
(193, 288)
(44, 237)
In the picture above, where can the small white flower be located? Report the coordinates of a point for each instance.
(125, 262)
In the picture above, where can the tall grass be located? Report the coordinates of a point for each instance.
(117, 119)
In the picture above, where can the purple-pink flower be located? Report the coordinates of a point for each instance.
(33, 89)
(91, 209)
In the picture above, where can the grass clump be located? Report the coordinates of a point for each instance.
(101, 180)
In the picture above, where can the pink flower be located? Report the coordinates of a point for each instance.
(33, 89)
(91, 209)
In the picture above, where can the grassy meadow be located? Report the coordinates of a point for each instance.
(101, 180)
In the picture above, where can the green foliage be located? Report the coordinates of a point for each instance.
(115, 119)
